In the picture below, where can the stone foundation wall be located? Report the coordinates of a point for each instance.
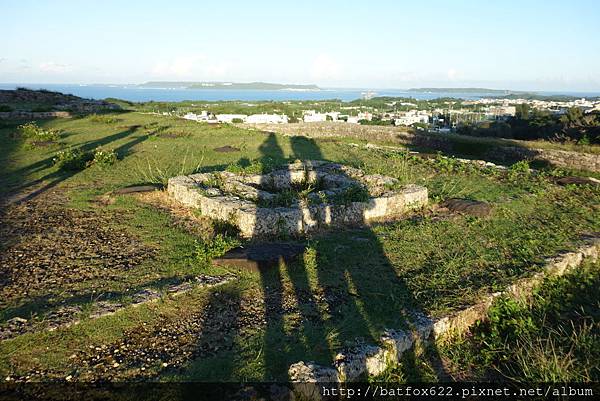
(454, 144)
(34, 115)
(236, 199)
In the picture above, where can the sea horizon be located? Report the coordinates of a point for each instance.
(136, 93)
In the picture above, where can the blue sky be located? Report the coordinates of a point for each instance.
(533, 45)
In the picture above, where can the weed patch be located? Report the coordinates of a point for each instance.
(34, 134)
(206, 251)
(72, 159)
(552, 337)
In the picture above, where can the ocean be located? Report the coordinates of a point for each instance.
(137, 94)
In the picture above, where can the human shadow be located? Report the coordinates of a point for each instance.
(343, 292)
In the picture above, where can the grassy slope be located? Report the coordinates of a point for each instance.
(350, 284)
(553, 337)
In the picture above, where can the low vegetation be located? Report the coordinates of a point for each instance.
(72, 159)
(34, 134)
(105, 157)
(551, 337)
(104, 119)
(532, 124)
(348, 286)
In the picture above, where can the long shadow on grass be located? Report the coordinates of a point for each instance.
(51, 180)
(8, 145)
(342, 292)
(345, 291)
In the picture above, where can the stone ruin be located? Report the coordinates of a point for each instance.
(298, 198)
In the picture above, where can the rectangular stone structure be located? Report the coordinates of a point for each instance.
(238, 198)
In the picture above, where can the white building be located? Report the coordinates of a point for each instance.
(311, 116)
(411, 117)
(501, 111)
(204, 116)
(267, 119)
(335, 115)
(228, 118)
(191, 116)
(365, 116)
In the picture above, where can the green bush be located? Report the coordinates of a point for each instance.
(34, 133)
(28, 130)
(72, 159)
(104, 157)
(5, 108)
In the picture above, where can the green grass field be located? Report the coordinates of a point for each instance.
(348, 286)
(551, 337)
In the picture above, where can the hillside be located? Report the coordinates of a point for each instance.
(23, 99)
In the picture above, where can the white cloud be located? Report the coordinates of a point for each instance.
(55, 68)
(452, 74)
(324, 67)
(197, 67)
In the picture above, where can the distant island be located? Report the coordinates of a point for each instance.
(229, 85)
(466, 90)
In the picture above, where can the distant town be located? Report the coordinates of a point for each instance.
(443, 115)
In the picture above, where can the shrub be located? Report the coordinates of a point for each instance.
(5, 108)
(584, 140)
(104, 157)
(28, 130)
(35, 133)
(72, 159)
(284, 198)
